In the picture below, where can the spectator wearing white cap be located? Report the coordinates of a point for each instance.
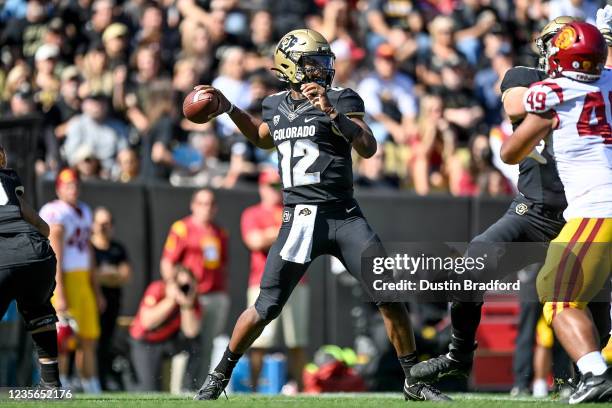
(87, 164)
(115, 40)
(45, 79)
(115, 44)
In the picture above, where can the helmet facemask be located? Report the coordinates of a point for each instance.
(318, 68)
(543, 45)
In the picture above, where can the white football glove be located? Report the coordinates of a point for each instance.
(604, 23)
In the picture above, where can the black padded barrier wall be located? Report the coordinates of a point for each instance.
(485, 211)
(144, 213)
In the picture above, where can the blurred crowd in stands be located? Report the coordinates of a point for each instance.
(109, 77)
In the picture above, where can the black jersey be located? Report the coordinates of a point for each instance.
(314, 159)
(539, 183)
(11, 221)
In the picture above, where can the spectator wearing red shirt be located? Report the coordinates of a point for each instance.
(198, 244)
(260, 224)
(167, 323)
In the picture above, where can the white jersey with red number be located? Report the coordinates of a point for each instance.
(77, 230)
(582, 142)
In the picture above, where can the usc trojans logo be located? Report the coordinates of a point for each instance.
(566, 38)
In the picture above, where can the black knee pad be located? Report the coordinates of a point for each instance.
(268, 312)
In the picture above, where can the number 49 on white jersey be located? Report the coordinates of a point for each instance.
(582, 140)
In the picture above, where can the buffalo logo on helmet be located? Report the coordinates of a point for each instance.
(287, 42)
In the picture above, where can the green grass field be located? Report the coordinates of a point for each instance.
(479, 400)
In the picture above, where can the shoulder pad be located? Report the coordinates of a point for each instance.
(521, 77)
(348, 102)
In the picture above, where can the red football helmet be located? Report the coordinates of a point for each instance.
(578, 51)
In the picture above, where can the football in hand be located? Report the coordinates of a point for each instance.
(199, 105)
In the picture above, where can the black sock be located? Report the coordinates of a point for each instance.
(227, 363)
(407, 362)
(49, 373)
(465, 318)
(45, 343)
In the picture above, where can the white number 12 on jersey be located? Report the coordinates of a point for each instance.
(308, 151)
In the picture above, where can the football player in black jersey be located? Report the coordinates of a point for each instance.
(27, 271)
(313, 127)
(535, 215)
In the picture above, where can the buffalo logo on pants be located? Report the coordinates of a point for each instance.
(521, 209)
(305, 211)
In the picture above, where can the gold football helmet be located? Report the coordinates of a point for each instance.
(547, 33)
(304, 56)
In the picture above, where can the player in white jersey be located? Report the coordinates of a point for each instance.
(77, 293)
(576, 104)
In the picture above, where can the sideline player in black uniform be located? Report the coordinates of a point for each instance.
(313, 128)
(27, 271)
(535, 215)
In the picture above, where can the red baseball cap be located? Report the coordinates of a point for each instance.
(65, 176)
(268, 177)
(385, 50)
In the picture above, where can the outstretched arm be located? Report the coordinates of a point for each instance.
(252, 128)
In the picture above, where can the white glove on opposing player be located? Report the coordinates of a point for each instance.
(535, 155)
(604, 23)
